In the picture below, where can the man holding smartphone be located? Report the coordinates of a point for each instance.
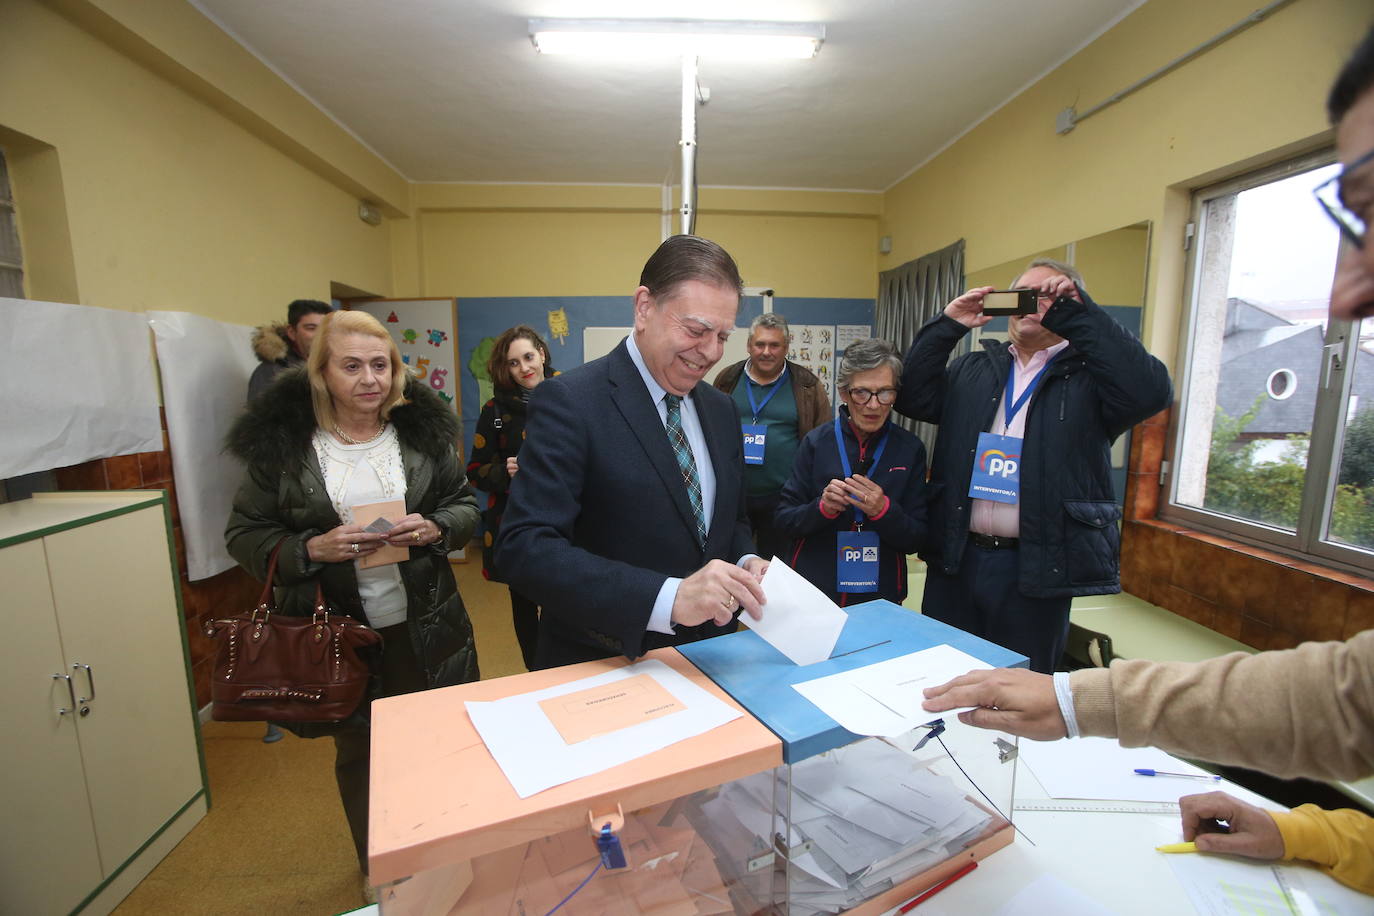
(1023, 517)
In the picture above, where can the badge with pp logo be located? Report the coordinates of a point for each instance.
(996, 469)
(856, 560)
(754, 437)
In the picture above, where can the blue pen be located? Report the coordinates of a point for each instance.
(1146, 771)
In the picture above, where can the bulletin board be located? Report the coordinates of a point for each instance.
(426, 333)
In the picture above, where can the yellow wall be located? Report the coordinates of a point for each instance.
(171, 202)
(584, 240)
(1012, 186)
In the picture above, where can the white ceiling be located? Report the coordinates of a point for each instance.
(452, 90)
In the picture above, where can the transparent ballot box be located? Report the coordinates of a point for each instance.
(778, 811)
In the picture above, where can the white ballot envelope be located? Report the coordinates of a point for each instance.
(798, 620)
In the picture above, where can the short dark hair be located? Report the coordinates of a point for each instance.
(302, 307)
(498, 371)
(689, 257)
(1355, 79)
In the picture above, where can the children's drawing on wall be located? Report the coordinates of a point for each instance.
(424, 333)
(558, 325)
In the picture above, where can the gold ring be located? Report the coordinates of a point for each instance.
(353, 547)
(416, 534)
(728, 603)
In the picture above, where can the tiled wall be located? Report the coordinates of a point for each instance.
(1262, 598)
(232, 591)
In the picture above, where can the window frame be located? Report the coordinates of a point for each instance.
(1340, 344)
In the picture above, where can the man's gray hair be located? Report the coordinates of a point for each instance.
(771, 320)
(863, 355)
(1058, 267)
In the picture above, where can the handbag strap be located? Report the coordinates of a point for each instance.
(267, 600)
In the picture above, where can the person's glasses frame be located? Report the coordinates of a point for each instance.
(885, 396)
(1329, 195)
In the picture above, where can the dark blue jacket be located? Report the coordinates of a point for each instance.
(901, 530)
(1099, 386)
(599, 516)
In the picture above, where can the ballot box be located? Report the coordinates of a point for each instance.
(859, 824)
(450, 833)
(778, 810)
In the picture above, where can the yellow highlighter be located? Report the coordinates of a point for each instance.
(1177, 847)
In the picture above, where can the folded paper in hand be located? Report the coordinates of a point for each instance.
(798, 620)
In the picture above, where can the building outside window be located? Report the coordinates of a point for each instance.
(1273, 439)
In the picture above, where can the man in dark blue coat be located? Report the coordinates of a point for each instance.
(1023, 517)
(626, 522)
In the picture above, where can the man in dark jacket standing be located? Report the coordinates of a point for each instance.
(281, 346)
(627, 520)
(1023, 517)
(778, 405)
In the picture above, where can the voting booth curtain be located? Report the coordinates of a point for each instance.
(908, 297)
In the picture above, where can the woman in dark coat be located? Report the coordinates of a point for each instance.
(519, 362)
(353, 428)
(857, 483)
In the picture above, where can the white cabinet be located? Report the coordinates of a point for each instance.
(101, 756)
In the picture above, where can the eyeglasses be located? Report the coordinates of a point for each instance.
(885, 396)
(1329, 195)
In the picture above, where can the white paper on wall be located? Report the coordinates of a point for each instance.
(78, 384)
(205, 367)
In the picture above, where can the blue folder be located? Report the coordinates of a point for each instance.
(760, 677)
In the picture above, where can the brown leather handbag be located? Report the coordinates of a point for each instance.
(278, 668)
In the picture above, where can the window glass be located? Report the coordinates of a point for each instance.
(1262, 280)
(1351, 507)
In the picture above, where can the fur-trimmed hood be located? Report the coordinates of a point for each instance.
(270, 343)
(274, 432)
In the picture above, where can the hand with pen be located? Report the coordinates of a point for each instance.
(1217, 822)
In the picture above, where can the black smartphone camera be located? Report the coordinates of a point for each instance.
(1011, 302)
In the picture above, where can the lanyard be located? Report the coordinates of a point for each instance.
(749, 390)
(1011, 408)
(844, 462)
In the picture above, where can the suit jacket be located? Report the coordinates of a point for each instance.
(599, 517)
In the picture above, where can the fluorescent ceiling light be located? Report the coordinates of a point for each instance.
(676, 38)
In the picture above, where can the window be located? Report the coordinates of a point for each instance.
(1274, 436)
(11, 259)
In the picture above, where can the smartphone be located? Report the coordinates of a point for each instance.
(1011, 302)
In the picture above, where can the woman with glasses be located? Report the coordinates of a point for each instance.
(855, 505)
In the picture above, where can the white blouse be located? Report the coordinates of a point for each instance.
(367, 473)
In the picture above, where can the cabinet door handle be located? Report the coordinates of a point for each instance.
(90, 679)
(71, 693)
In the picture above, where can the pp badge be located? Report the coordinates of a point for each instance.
(996, 469)
(856, 561)
(754, 437)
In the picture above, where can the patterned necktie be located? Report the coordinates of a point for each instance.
(685, 462)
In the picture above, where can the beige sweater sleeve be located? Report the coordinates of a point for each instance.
(1307, 711)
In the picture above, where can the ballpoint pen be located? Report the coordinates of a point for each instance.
(1146, 771)
(926, 895)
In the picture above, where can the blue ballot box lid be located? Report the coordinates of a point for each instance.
(760, 677)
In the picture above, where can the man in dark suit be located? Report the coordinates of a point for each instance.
(626, 522)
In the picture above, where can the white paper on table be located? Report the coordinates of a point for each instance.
(534, 756)
(1049, 894)
(1227, 885)
(798, 620)
(1100, 768)
(884, 699)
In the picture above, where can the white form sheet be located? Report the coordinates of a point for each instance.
(1101, 768)
(535, 757)
(798, 620)
(884, 699)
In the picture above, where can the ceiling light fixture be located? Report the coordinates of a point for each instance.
(676, 38)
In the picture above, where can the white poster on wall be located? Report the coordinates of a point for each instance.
(813, 346)
(205, 366)
(78, 384)
(425, 334)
